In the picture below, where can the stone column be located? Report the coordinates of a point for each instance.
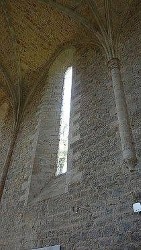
(127, 143)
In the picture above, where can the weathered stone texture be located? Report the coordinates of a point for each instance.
(44, 168)
(16, 190)
(131, 73)
(103, 196)
(6, 122)
(92, 208)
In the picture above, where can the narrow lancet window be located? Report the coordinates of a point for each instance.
(64, 128)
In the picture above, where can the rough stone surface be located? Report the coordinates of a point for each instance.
(5, 131)
(89, 207)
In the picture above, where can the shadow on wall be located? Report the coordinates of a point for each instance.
(45, 162)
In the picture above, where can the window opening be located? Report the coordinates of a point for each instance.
(64, 126)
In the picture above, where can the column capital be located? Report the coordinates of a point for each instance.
(113, 63)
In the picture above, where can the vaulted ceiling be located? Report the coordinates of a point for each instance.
(34, 31)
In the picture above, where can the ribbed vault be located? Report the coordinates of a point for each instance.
(34, 32)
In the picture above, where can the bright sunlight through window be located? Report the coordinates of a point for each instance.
(64, 128)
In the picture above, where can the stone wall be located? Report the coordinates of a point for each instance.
(45, 163)
(131, 73)
(89, 207)
(96, 211)
(5, 132)
(17, 185)
(93, 169)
